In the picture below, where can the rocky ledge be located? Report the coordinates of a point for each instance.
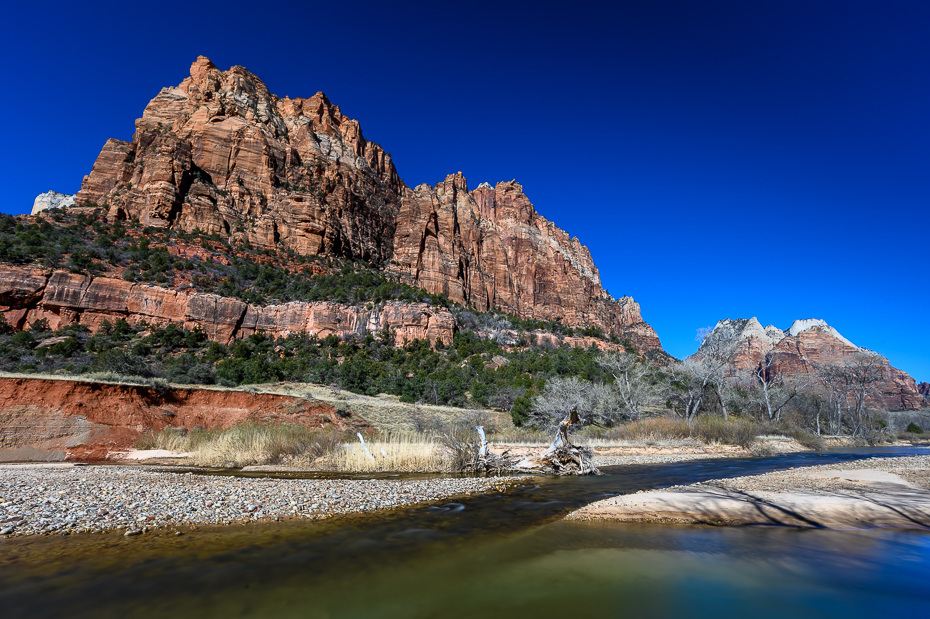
(62, 298)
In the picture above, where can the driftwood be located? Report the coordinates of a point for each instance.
(562, 457)
(365, 447)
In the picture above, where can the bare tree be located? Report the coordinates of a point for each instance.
(850, 385)
(631, 382)
(690, 383)
(834, 383)
(732, 392)
(504, 397)
(773, 392)
(558, 398)
(597, 403)
(497, 328)
(813, 404)
(865, 372)
(693, 381)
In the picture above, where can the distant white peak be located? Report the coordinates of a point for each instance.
(728, 332)
(51, 199)
(484, 185)
(800, 326)
(775, 333)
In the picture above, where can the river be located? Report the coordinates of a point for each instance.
(497, 555)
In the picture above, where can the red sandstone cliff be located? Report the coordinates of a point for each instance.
(221, 154)
(796, 353)
(28, 294)
(490, 248)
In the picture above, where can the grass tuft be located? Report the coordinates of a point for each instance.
(247, 444)
(396, 452)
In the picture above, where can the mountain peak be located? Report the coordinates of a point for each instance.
(221, 154)
(806, 324)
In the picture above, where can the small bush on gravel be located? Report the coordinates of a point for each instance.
(913, 428)
(650, 430)
(808, 439)
(733, 431)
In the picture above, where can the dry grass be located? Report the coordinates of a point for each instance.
(257, 444)
(400, 453)
(658, 431)
(389, 415)
(247, 444)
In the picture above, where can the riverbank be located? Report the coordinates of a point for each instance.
(878, 492)
(77, 499)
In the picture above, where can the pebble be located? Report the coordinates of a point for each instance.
(104, 498)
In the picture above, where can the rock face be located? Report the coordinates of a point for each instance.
(44, 419)
(64, 298)
(924, 389)
(51, 199)
(797, 351)
(489, 248)
(221, 154)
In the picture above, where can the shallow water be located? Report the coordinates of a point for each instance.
(507, 554)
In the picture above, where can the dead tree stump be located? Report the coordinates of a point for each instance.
(562, 457)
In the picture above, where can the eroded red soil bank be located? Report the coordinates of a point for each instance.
(49, 419)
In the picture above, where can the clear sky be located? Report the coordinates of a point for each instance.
(720, 159)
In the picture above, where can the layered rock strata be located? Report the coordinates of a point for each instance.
(798, 351)
(46, 419)
(63, 298)
(489, 248)
(221, 154)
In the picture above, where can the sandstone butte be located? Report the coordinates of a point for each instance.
(797, 351)
(221, 154)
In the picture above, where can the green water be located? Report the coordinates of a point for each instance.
(500, 555)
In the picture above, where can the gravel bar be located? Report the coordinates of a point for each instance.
(658, 459)
(102, 498)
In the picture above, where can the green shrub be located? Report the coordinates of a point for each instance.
(913, 428)
(520, 413)
(67, 348)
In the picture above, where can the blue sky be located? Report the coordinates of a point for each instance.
(720, 159)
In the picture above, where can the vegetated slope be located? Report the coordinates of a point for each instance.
(136, 302)
(221, 155)
(801, 351)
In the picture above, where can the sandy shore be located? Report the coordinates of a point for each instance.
(35, 499)
(878, 492)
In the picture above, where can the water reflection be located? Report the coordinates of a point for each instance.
(491, 555)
